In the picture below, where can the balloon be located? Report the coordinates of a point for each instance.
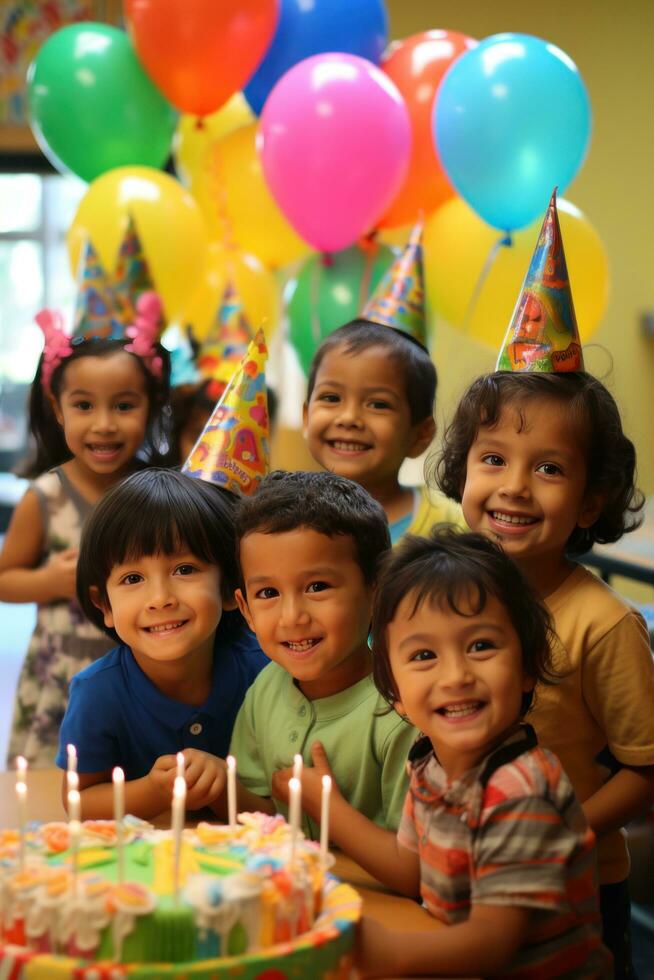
(417, 66)
(352, 26)
(237, 205)
(511, 122)
(198, 52)
(329, 293)
(335, 141)
(256, 286)
(194, 137)
(92, 107)
(168, 221)
(457, 244)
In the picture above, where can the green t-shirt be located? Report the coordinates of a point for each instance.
(366, 750)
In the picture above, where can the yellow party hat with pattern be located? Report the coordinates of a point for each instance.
(227, 340)
(132, 275)
(233, 451)
(97, 312)
(543, 334)
(399, 299)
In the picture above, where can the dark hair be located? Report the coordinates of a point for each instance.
(452, 567)
(414, 360)
(610, 455)
(322, 502)
(186, 400)
(51, 448)
(156, 511)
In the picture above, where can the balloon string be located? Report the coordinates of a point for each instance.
(314, 298)
(220, 197)
(369, 248)
(503, 240)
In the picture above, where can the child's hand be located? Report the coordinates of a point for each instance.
(162, 778)
(60, 573)
(311, 781)
(205, 776)
(374, 950)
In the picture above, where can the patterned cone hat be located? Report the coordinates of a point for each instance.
(183, 369)
(232, 452)
(543, 334)
(132, 273)
(399, 299)
(97, 313)
(227, 340)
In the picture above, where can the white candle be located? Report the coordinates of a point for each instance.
(324, 817)
(178, 814)
(71, 753)
(74, 827)
(181, 764)
(21, 769)
(297, 766)
(231, 790)
(21, 801)
(72, 780)
(294, 809)
(119, 813)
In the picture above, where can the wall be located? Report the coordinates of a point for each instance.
(611, 44)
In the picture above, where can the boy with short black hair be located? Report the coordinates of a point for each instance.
(309, 545)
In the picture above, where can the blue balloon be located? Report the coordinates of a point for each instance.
(511, 121)
(351, 26)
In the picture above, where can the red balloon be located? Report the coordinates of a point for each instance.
(199, 52)
(417, 66)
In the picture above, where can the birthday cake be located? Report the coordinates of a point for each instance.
(246, 901)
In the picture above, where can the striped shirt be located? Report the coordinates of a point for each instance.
(509, 832)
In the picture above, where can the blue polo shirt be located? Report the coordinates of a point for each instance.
(117, 717)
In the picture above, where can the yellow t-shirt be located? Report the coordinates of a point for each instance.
(605, 698)
(430, 507)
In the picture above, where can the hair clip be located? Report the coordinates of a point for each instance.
(145, 332)
(57, 344)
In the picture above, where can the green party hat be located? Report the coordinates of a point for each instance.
(543, 334)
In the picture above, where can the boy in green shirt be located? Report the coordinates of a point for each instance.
(309, 545)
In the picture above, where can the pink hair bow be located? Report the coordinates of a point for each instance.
(145, 332)
(57, 344)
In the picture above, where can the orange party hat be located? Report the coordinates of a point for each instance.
(543, 334)
(232, 451)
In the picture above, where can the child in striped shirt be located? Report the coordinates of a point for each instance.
(492, 836)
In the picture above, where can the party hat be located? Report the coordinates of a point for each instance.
(232, 451)
(399, 299)
(183, 369)
(227, 340)
(132, 275)
(543, 334)
(97, 313)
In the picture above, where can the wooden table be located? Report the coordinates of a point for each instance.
(395, 913)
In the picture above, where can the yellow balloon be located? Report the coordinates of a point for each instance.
(194, 136)
(255, 285)
(237, 205)
(457, 245)
(168, 221)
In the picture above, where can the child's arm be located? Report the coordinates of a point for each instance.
(483, 945)
(624, 797)
(375, 849)
(206, 779)
(21, 577)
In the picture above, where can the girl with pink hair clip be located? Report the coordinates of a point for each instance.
(97, 407)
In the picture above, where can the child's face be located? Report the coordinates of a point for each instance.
(526, 482)
(460, 677)
(164, 607)
(307, 601)
(103, 409)
(358, 421)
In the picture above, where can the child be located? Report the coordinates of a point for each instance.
(370, 399)
(542, 465)
(157, 572)
(492, 835)
(94, 405)
(308, 546)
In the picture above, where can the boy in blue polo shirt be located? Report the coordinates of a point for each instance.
(157, 571)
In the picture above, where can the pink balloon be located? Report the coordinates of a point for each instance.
(335, 141)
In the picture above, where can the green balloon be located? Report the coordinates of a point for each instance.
(92, 107)
(329, 292)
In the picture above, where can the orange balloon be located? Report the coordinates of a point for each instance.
(198, 52)
(417, 65)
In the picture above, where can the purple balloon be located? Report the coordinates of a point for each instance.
(334, 140)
